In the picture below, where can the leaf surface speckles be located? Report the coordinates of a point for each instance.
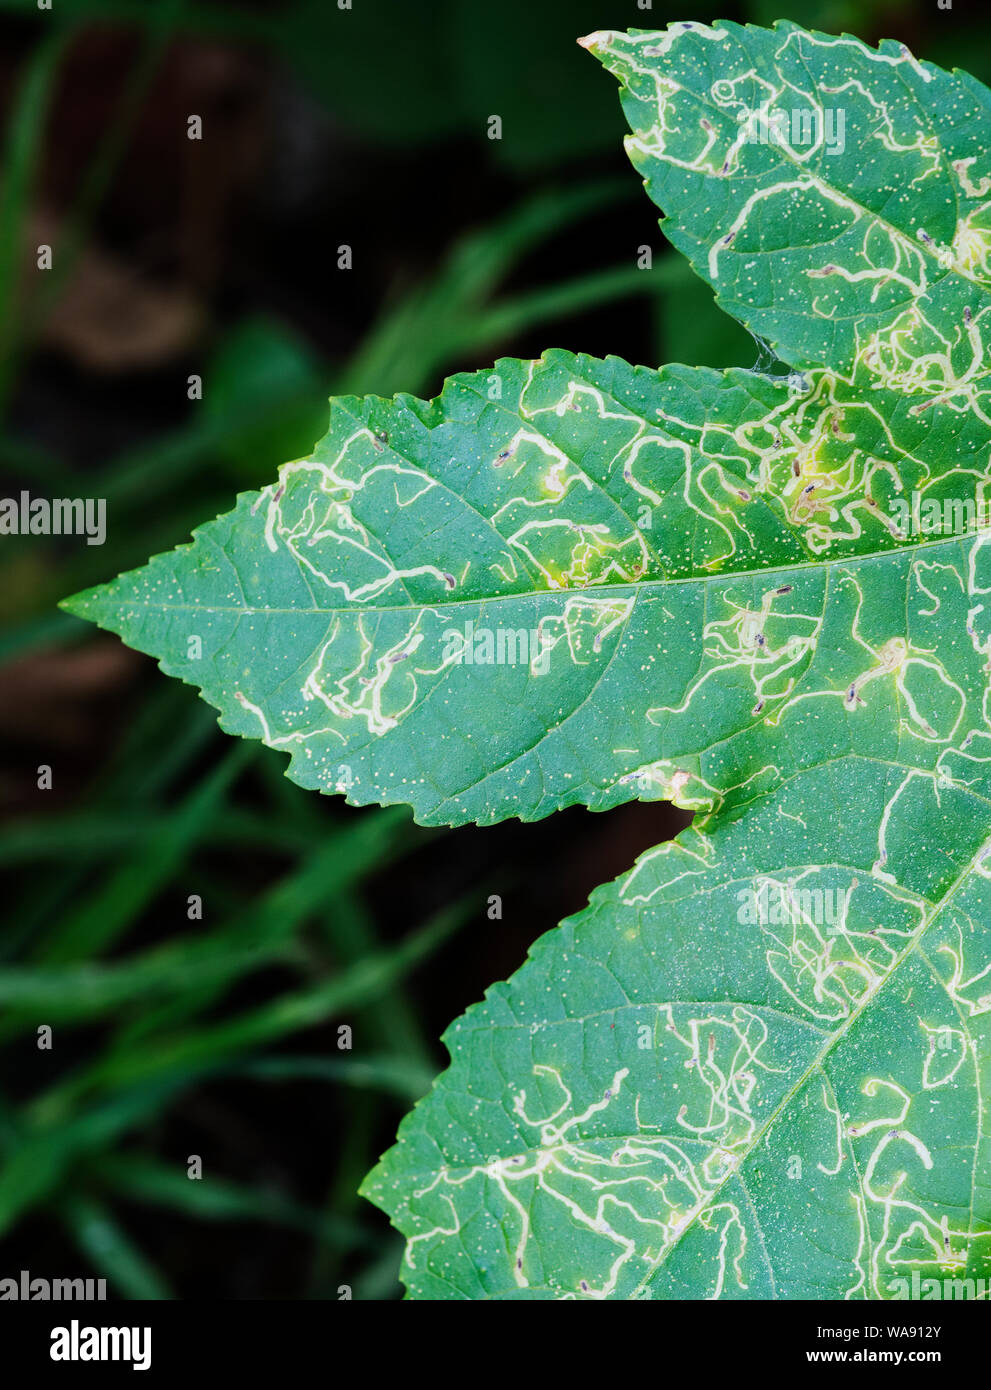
(668, 1102)
(834, 195)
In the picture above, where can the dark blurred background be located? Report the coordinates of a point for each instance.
(322, 127)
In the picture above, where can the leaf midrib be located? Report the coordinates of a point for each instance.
(911, 946)
(595, 590)
(914, 945)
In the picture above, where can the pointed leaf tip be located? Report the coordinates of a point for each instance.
(73, 604)
(600, 39)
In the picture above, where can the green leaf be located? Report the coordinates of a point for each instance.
(835, 196)
(673, 1100)
(757, 1065)
(624, 557)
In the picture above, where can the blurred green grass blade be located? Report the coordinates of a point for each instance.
(37, 461)
(147, 1079)
(44, 902)
(391, 1020)
(523, 312)
(157, 466)
(483, 259)
(83, 835)
(51, 1140)
(356, 1144)
(395, 1075)
(196, 969)
(81, 990)
(379, 1279)
(414, 338)
(108, 914)
(47, 630)
(211, 1046)
(8, 1124)
(290, 802)
(89, 835)
(355, 849)
(78, 992)
(105, 1243)
(77, 842)
(178, 728)
(20, 165)
(210, 1198)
